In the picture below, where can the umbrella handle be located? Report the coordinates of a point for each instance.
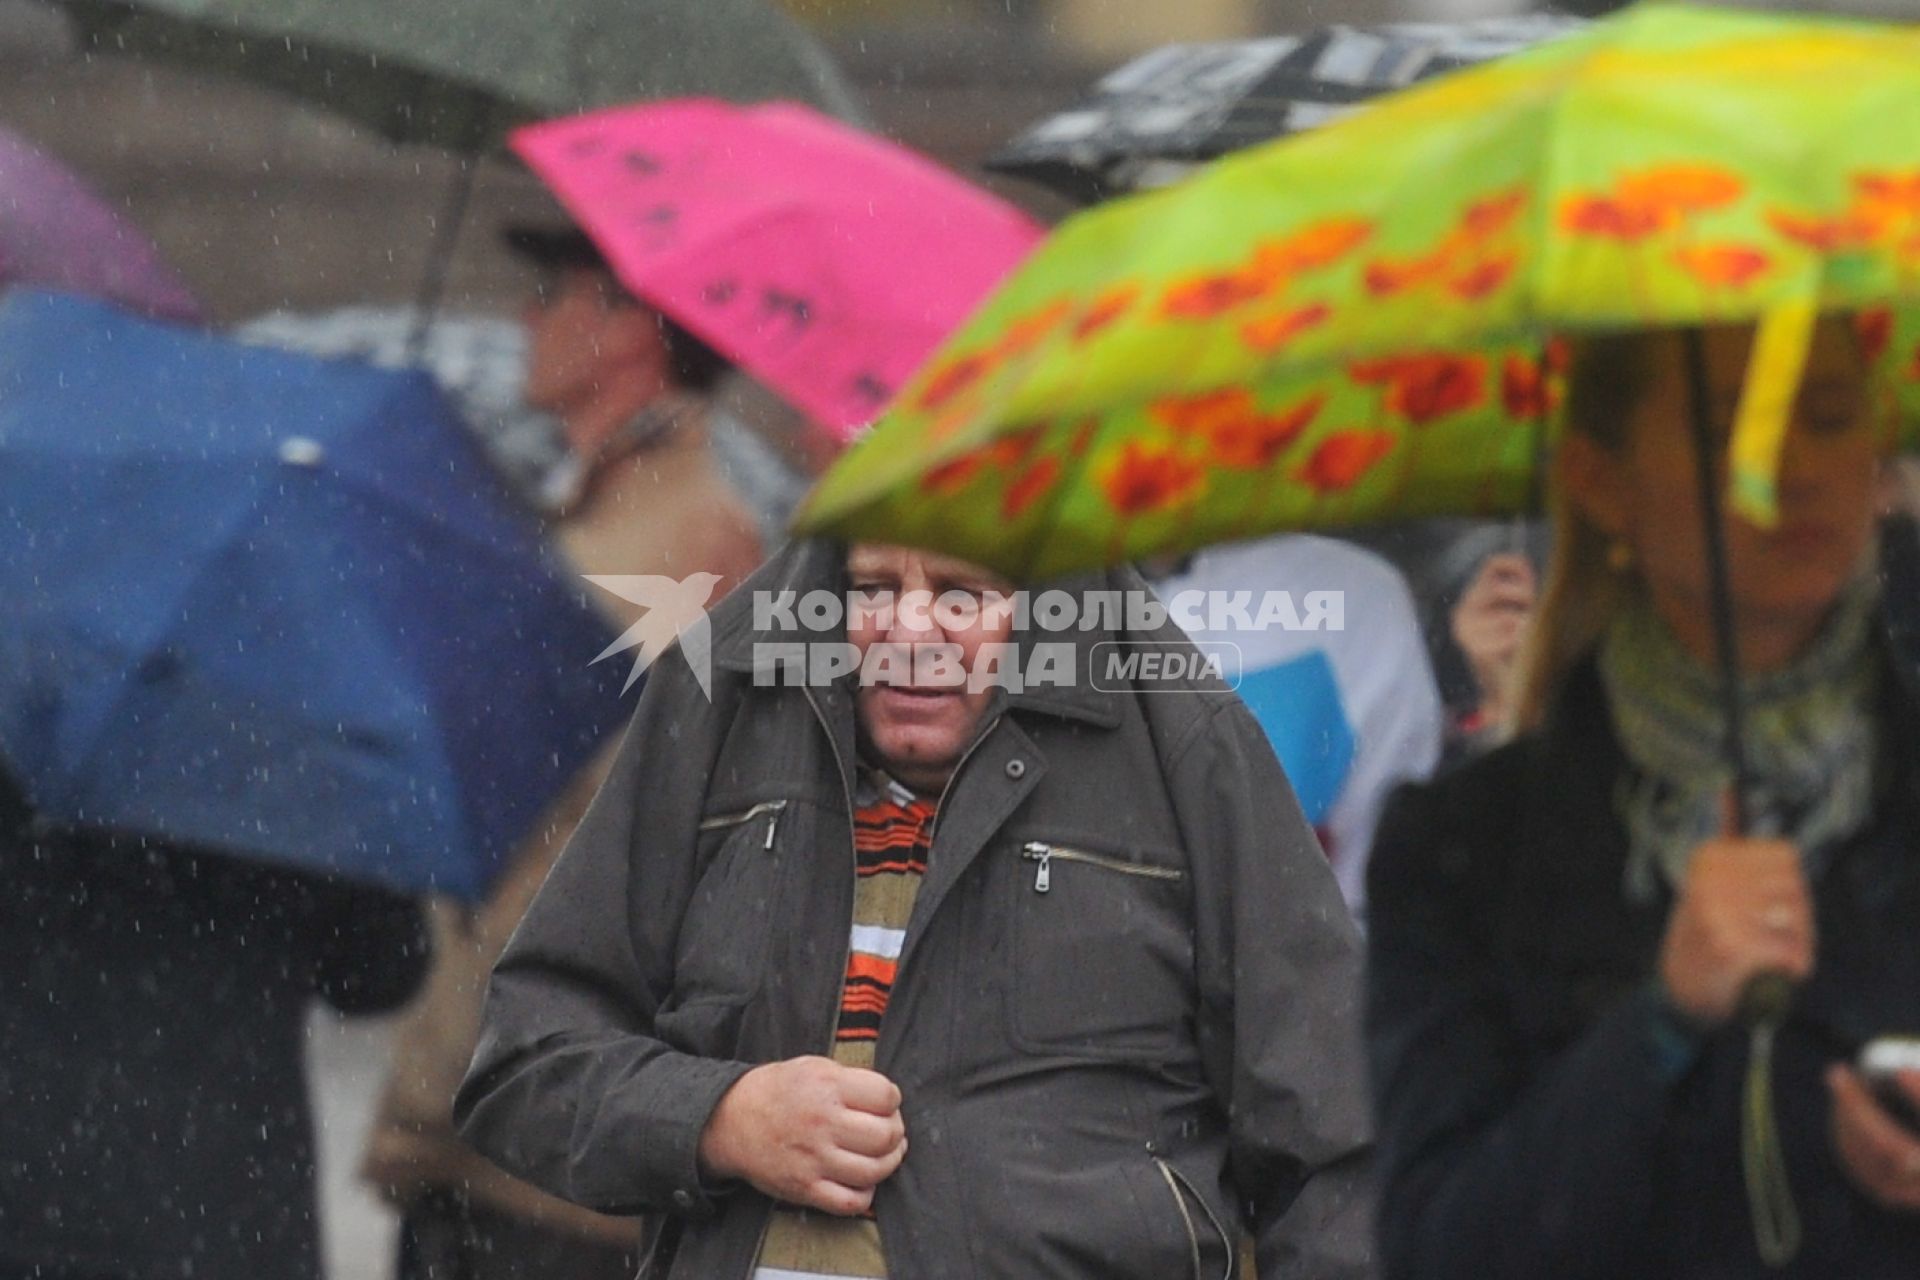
(1768, 995)
(1767, 999)
(1719, 586)
(446, 235)
(1764, 1004)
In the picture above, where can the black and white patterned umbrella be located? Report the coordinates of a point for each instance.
(1161, 114)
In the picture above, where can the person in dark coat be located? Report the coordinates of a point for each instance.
(153, 1007)
(1562, 934)
(1053, 979)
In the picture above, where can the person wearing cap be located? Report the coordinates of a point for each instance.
(640, 492)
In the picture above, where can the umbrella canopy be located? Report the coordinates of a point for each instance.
(1156, 118)
(461, 75)
(825, 261)
(55, 233)
(1344, 326)
(275, 606)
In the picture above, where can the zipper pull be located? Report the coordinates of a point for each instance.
(1036, 852)
(773, 825)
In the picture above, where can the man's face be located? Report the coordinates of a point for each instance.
(585, 333)
(904, 601)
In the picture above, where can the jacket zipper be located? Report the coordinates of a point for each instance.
(846, 950)
(940, 807)
(853, 855)
(1043, 854)
(1178, 1185)
(722, 821)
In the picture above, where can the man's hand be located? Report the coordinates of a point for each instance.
(1745, 910)
(1880, 1154)
(808, 1132)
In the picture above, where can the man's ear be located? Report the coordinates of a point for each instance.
(1596, 483)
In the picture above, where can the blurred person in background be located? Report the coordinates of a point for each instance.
(1474, 583)
(1563, 930)
(638, 491)
(1487, 625)
(461, 1216)
(153, 1014)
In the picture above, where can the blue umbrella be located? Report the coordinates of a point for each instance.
(274, 605)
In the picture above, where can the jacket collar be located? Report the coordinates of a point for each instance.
(814, 564)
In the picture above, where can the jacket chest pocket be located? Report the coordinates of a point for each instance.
(724, 933)
(1102, 952)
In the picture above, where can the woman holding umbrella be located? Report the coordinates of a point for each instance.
(1562, 937)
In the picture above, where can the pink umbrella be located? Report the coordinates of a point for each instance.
(825, 262)
(55, 233)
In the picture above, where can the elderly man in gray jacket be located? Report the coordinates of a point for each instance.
(857, 969)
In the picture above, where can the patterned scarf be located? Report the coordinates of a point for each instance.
(1809, 737)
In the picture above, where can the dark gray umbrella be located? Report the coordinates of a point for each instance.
(459, 74)
(1188, 103)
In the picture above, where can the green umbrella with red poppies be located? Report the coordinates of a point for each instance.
(1351, 325)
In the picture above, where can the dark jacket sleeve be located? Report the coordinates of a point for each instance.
(1487, 1173)
(569, 1088)
(372, 948)
(1279, 970)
